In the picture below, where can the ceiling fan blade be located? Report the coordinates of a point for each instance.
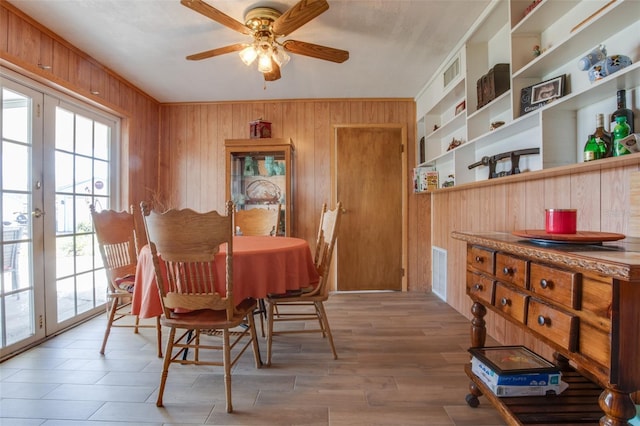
(298, 15)
(217, 52)
(274, 74)
(213, 13)
(316, 51)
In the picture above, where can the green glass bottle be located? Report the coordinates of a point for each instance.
(602, 136)
(591, 149)
(602, 146)
(620, 132)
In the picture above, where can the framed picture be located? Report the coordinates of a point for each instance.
(538, 95)
(513, 360)
(460, 107)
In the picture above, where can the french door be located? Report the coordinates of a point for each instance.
(21, 301)
(56, 161)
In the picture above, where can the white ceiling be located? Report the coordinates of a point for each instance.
(394, 45)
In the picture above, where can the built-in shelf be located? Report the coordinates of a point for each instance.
(566, 30)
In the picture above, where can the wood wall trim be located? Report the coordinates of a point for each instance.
(47, 79)
(279, 101)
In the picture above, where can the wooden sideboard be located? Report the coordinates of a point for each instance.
(581, 300)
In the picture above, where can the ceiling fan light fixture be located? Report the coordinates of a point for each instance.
(248, 55)
(264, 63)
(280, 56)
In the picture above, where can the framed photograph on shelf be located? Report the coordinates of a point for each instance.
(540, 94)
(460, 107)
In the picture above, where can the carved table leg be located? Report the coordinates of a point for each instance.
(478, 337)
(618, 407)
(478, 329)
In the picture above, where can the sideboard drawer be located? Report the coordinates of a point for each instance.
(481, 259)
(558, 326)
(511, 302)
(556, 285)
(479, 286)
(511, 269)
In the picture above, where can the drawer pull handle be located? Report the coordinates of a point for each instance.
(505, 302)
(477, 287)
(479, 259)
(507, 271)
(543, 321)
(544, 284)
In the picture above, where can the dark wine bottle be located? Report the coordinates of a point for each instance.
(622, 111)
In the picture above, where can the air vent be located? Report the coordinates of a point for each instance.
(439, 272)
(451, 72)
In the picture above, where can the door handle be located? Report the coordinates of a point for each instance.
(343, 210)
(37, 213)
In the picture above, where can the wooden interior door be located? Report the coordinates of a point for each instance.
(369, 183)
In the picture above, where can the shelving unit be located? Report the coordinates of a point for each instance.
(565, 30)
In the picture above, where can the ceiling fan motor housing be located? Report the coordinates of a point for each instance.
(261, 18)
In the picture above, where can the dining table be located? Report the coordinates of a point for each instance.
(262, 265)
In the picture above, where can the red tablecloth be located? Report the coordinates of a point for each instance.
(261, 265)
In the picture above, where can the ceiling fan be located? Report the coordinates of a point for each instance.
(265, 25)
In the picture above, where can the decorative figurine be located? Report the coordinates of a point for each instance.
(269, 165)
(449, 181)
(249, 168)
(596, 55)
(496, 124)
(608, 66)
(455, 143)
(536, 50)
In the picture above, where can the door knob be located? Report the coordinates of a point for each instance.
(37, 213)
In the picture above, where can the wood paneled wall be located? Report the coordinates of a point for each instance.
(192, 172)
(34, 51)
(602, 197)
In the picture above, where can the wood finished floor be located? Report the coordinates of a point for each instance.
(400, 362)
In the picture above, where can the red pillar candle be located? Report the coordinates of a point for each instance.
(561, 221)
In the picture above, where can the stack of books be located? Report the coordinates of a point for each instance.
(515, 371)
(425, 179)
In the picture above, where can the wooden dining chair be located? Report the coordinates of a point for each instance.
(308, 304)
(118, 244)
(258, 221)
(184, 245)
